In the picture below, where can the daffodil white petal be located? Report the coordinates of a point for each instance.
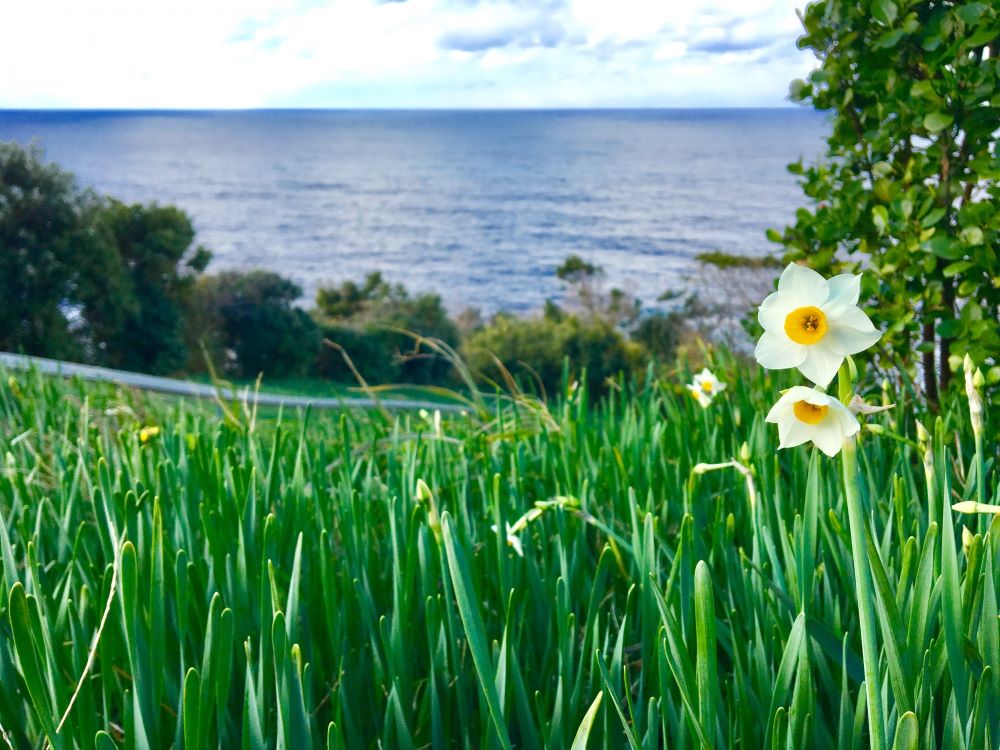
(774, 309)
(820, 364)
(845, 289)
(804, 283)
(792, 432)
(515, 542)
(779, 411)
(849, 424)
(854, 317)
(775, 351)
(809, 395)
(846, 341)
(827, 436)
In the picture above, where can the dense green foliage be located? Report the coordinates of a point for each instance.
(247, 323)
(154, 246)
(379, 324)
(534, 351)
(87, 278)
(909, 186)
(91, 279)
(50, 302)
(338, 580)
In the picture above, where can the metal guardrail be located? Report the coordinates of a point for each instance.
(200, 390)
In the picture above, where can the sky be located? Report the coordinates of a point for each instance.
(398, 53)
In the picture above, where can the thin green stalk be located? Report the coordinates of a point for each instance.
(865, 594)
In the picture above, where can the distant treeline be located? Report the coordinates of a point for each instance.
(85, 277)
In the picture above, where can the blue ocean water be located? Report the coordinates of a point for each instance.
(478, 205)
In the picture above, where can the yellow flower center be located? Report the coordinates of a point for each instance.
(810, 413)
(706, 386)
(806, 325)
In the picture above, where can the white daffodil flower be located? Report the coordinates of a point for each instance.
(512, 539)
(708, 383)
(803, 414)
(813, 323)
(699, 395)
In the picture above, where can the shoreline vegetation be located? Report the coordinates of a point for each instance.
(100, 282)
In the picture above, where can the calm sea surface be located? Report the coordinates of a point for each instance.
(478, 205)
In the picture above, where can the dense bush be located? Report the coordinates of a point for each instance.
(83, 277)
(535, 350)
(248, 324)
(54, 268)
(660, 334)
(373, 323)
(909, 186)
(158, 269)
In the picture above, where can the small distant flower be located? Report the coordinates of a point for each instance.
(148, 433)
(813, 323)
(803, 414)
(512, 539)
(708, 383)
(699, 395)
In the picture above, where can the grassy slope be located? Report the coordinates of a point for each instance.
(285, 586)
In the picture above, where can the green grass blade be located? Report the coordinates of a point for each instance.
(468, 610)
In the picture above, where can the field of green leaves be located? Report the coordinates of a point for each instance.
(517, 576)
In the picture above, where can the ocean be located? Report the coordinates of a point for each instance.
(480, 206)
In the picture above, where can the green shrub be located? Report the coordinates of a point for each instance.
(159, 264)
(62, 286)
(908, 189)
(659, 334)
(536, 350)
(249, 325)
(372, 322)
(370, 350)
(88, 278)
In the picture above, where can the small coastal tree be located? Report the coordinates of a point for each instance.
(159, 263)
(908, 187)
(60, 284)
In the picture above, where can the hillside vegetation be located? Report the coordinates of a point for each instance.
(213, 577)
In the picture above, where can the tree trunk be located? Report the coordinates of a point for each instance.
(948, 302)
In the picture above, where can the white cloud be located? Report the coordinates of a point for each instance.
(439, 53)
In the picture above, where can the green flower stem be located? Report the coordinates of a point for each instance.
(863, 583)
(862, 578)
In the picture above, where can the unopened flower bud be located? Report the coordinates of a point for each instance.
(875, 428)
(971, 506)
(975, 400)
(745, 453)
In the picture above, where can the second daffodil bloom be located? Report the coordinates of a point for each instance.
(803, 414)
(813, 323)
(708, 384)
(699, 395)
